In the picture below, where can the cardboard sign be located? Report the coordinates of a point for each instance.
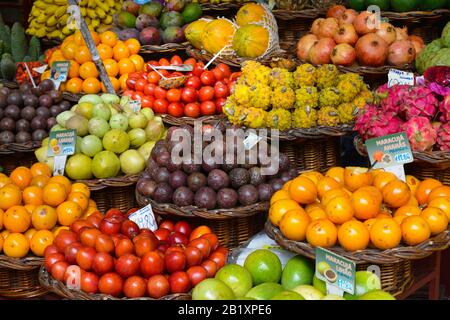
(388, 151)
(59, 72)
(336, 271)
(398, 77)
(62, 143)
(145, 218)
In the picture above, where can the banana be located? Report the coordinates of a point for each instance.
(87, 20)
(91, 4)
(31, 31)
(51, 21)
(83, 12)
(91, 13)
(40, 4)
(111, 3)
(40, 33)
(48, 1)
(66, 31)
(61, 11)
(95, 23)
(60, 2)
(101, 14)
(118, 6)
(49, 29)
(83, 3)
(50, 10)
(54, 34)
(108, 19)
(101, 5)
(63, 20)
(35, 12)
(42, 18)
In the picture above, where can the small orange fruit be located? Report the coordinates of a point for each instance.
(30, 208)
(91, 85)
(123, 81)
(385, 234)
(317, 213)
(413, 201)
(313, 206)
(109, 38)
(89, 211)
(64, 181)
(279, 208)
(78, 38)
(374, 192)
(74, 70)
(436, 219)
(10, 195)
(74, 85)
(365, 204)
(339, 210)
(32, 195)
(396, 193)
(83, 55)
(133, 45)
(382, 179)
(325, 185)
(120, 51)
(41, 240)
(1, 218)
(353, 235)
(69, 50)
(126, 66)
(399, 219)
(44, 217)
(54, 194)
(424, 189)
(4, 180)
(57, 230)
(415, 230)
(88, 70)
(286, 185)
(303, 190)
(17, 219)
(68, 212)
(29, 234)
(84, 189)
(413, 183)
(369, 223)
(443, 191)
(92, 203)
(16, 245)
(40, 181)
(40, 169)
(442, 203)
(104, 51)
(356, 177)
(321, 233)
(111, 66)
(95, 37)
(279, 195)
(294, 223)
(314, 176)
(337, 173)
(408, 210)
(21, 177)
(79, 198)
(138, 62)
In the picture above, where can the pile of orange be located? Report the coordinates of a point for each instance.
(357, 208)
(34, 207)
(119, 58)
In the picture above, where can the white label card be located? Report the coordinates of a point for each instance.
(59, 165)
(399, 171)
(251, 140)
(145, 218)
(331, 289)
(135, 105)
(398, 77)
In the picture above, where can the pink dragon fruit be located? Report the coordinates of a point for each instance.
(394, 99)
(443, 137)
(444, 108)
(421, 133)
(375, 122)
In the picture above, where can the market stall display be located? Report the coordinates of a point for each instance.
(437, 53)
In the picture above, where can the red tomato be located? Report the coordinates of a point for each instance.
(174, 95)
(64, 238)
(145, 243)
(140, 84)
(193, 82)
(131, 211)
(218, 74)
(138, 95)
(109, 226)
(51, 259)
(129, 228)
(176, 74)
(128, 93)
(160, 106)
(89, 282)
(127, 265)
(114, 212)
(103, 263)
(71, 251)
(162, 234)
(131, 83)
(190, 61)
(192, 110)
(219, 258)
(212, 239)
(110, 283)
(104, 243)
(199, 231)
(223, 250)
(221, 90)
(51, 249)
(147, 102)
(175, 109)
(164, 62)
(95, 219)
(167, 224)
(177, 238)
(219, 104)
(149, 89)
(151, 63)
(175, 261)
(160, 93)
(183, 227)
(152, 264)
(153, 77)
(135, 287)
(208, 108)
(158, 286)
(193, 256)
(198, 69)
(79, 224)
(179, 282)
(189, 95)
(210, 267)
(176, 60)
(59, 269)
(123, 247)
(225, 69)
(207, 78)
(196, 274)
(203, 245)
(85, 257)
(206, 93)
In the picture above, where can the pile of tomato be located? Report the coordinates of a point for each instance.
(111, 255)
(203, 94)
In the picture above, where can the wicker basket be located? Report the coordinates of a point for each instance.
(323, 5)
(291, 5)
(165, 48)
(424, 172)
(19, 277)
(121, 197)
(11, 161)
(175, 121)
(61, 290)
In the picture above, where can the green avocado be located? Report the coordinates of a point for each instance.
(358, 5)
(404, 5)
(383, 4)
(429, 5)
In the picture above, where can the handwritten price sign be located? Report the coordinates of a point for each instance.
(145, 218)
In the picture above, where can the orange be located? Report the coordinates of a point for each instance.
(68, 212)
(373, 191)
(78, 38)
(21, 177)
(279, 208)
(369, 223)
(443, 191)
(56, 57)
(294, 223)
(123, 81)
(17, 219)
(126, 66)
(109, 38)
(382, 179)
(40, 181)
(120, 51)
(133, 45)
(82, 188)
(115, 83)
(399, 219)
(383, 216)
(95, 37)
(91, 85)
(286, 185)
(415, 230)
(74, 85)
(442, 203)
(313, 206)
(32, 195)
(83, 55)
(89, 211)
(1, 244)
(356, 177)
(396, 193)
(79, 198)
(111, 66)
(336, 173)
(321, 233)
(92, 203)
(69, 50)
(1, 218)
(279, 195)
(317, 213)
(54, 194)
(39, 169)
(57, 230)
(10, 195)
(408, 210)
(303, 190)
(69, 39)
(413, 201)
(339, 210)
(436, 219)
(385, 234)
(16, 245)
(64, 181)
(5, 233)
(74, 70)
(333, 194)
(424, 189)
(138, 61)
(104, 51)
(314, 176)
(326, 184)
(29, 234)
(353, 235)
(413, 183)
(88, 70)
(366, 204)
(376, 172)
(41, 240)
(4, 180)
(30, 208)
(44, 217)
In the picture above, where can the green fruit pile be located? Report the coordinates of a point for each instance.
(263, 278)
(109, 141)
(437, 53)
(399, 5)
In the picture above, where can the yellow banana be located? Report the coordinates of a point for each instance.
(66, 31)
(40, 33)
(50, 10)
(31, 31)
(63, 20)
(40, 4)
(87, 20)
(49, 29)
(118, 6)
(51, 21)
(91, 4)
(111, 3)
(108, 19)
(42, 18)
(61, 11)
(54, 34)
(101, 14)
(35, 12)
(102, 5)
(61, 2)
(83, 3)
(83, 12)
(91, 13)
(95, 23)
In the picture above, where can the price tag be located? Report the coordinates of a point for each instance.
(59, 72)
(145, 218)
(251, 140)
(399, 171)
(62, 143)
(141, 2)
(389, 151)
(41, 69)
(336, 271)
(396, 77)
(135, 105)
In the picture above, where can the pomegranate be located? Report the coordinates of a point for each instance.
(321, 51)
(304, 45)
(328, 28)
(371, 50)
(343, 54)
(401, 52)
(387, 32)
(336, 11)
(349, 16)
(346, 34)
(316, 26)
(365, 22)
(418, 43)
(402, 33)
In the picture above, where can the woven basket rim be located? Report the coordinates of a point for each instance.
(14, 147)
(174, 121)
(422, 250)
(9, 84)
(26, 263)
(167, 47)
(59, 288)
(121, 181)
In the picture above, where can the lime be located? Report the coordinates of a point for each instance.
(287, 295)
(236, 277)
(319, 285)
(212, 289)
(377, 295)
(365, 281)
(298, 270)
(264, 291)
(191, 12)
(264, 266)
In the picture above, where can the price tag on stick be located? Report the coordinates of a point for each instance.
(60, 145)
(145, 218)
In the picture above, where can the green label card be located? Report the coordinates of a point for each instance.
(59, 72)
(335, 270)
(388, 151)
(62, 143)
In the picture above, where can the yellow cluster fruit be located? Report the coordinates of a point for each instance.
(48, 18)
